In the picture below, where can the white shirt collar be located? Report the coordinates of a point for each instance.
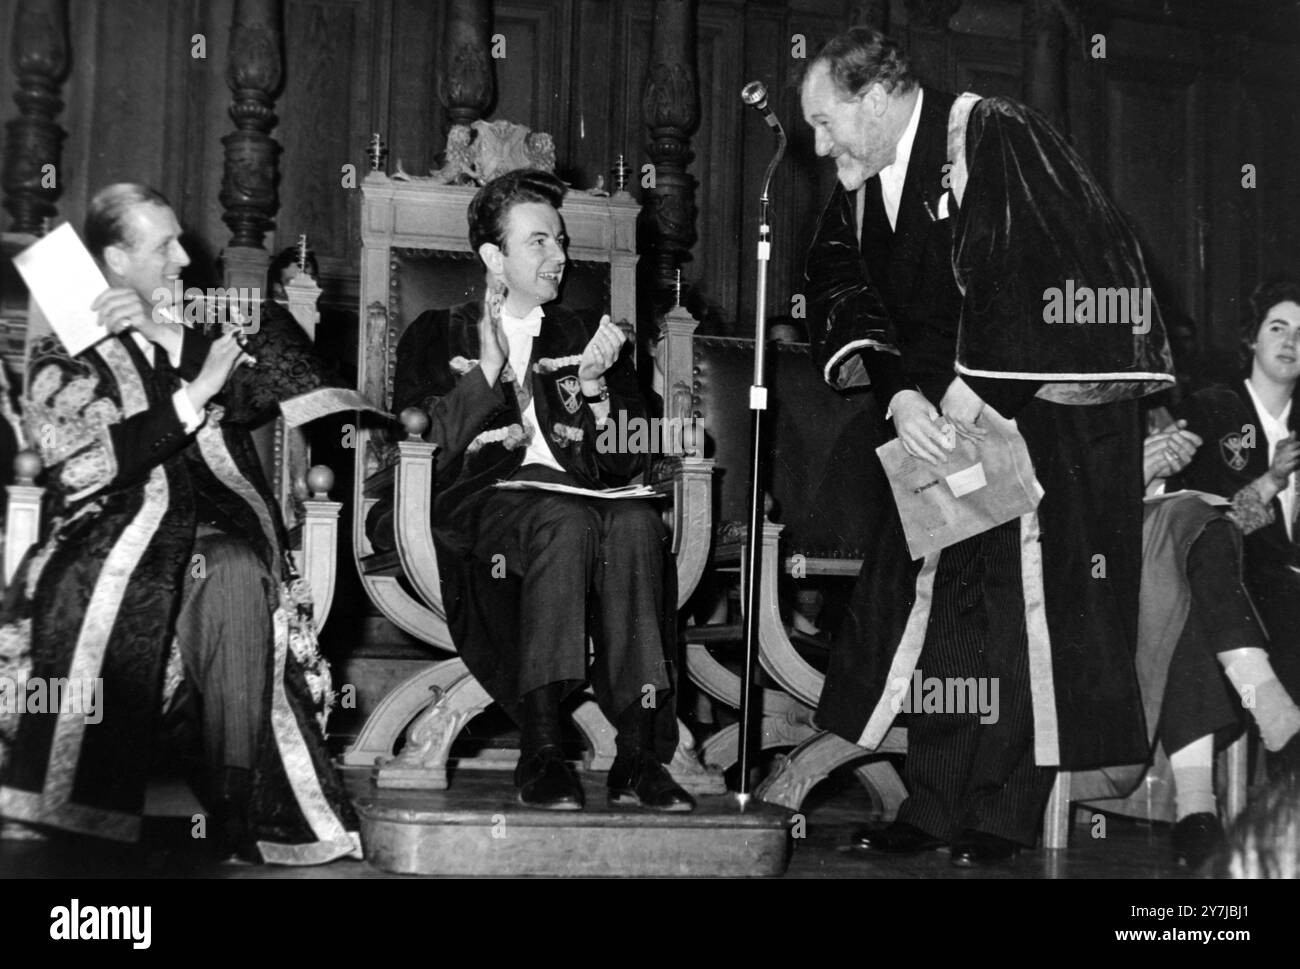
(1280, 422)
(529, 324)
(897, 171)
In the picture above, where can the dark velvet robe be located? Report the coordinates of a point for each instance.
(96, 600)
(996, 210)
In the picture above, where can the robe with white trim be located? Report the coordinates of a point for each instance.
(95, 601)
(1012, 214)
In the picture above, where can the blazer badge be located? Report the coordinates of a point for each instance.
(1233, 451)
(570, 393)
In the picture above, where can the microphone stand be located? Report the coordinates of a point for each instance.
(757, 406)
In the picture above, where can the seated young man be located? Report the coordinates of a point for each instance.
(514, 391)
(164, 580)
(1250, 456)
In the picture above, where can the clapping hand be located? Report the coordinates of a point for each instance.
(1168, 451)
(601, 351)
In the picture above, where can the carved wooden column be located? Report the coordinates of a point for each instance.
(255, 73)
(1043, 36)
(465, 83)
(670, 106)
(34, 139)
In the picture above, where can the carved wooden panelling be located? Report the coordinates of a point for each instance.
(1158, 189)
(325, 123)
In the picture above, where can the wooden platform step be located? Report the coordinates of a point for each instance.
(477, 827)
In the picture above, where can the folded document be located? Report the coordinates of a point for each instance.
(979, 486)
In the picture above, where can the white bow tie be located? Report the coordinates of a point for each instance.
(530, 325)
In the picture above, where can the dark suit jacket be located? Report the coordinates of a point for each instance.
(1225, 463)
(437, 371)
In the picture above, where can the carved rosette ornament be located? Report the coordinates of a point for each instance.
(670, 106)
(254, 73)
(34, 140)
(465, 83)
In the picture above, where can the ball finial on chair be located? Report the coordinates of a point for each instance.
(415, 421)
(320, 480)
(27, 465)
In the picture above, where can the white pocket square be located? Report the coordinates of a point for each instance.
(943, 205)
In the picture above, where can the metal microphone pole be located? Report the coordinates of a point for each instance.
(755, 95)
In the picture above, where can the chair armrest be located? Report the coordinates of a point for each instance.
(389, 576)
(690, 481)
(413, 510)
(317, 538)
(23, 522)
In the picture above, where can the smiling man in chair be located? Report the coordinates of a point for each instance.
(514, 391)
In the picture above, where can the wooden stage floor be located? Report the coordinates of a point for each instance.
(1130, 850)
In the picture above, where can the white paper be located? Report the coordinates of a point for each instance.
(64, 280)
(322, 402)
(964, 482)
(627, 491)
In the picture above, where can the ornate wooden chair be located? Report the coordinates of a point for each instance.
(818, 441)
(415, 257)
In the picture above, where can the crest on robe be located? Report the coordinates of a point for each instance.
(570, 393)
(1233, 451)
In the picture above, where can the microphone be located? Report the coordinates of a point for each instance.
(755, 95)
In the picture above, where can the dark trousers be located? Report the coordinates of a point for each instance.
(961, 773)
(1198, 698)
(224, 638)
(1276, 593)
(587, 566)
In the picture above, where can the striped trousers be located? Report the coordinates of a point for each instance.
(961, 773)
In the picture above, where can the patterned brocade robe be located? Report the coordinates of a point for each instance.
(95, 601)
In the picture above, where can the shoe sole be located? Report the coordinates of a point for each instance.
(562, 806)
(631, 800)
(972, 863)
(858, 849)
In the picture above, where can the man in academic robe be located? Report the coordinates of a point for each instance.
(929, 280)
(518, 388)
(164, 582)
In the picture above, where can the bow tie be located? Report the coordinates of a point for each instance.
(530, 325)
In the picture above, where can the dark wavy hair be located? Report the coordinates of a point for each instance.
(105, 223)
(492, 204)
(1266, 295)
(860, 57)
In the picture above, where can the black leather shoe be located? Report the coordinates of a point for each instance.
(546, 781)
(974, 849)
(639, 779)
(1197, 838)
(895, 838)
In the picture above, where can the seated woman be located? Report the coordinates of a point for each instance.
(1196, 619)
(1251, 460)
